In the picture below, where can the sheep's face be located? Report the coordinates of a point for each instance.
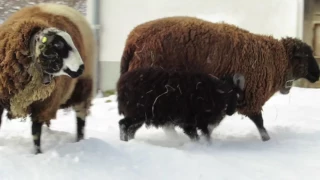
(232, 89)
(304, 64)
(56, 54)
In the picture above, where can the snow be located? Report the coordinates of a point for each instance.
(236, 151)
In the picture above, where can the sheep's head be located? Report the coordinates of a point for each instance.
(232, 89)
(56, 54)
(302, 62)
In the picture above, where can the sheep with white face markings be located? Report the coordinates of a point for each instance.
(190, 100)
(46, 64)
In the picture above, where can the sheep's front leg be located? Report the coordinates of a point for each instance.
(206, 132)
(1, 111)
(36, 134)
(81, 123)
(258, 121)
(81, 110)
(128, 127)
(81, 114)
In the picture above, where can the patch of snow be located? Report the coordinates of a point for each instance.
(236, 151)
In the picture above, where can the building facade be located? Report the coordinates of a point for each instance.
(279, 18)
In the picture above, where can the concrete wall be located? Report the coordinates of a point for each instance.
(311, 35)
(273, 17)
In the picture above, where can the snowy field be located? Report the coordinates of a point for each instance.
(293, 153)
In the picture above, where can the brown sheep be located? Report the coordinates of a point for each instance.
(188, 43)
(46, 58)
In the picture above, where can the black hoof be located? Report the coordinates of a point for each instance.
(123, 133)
(37, 151)
(195, 139)
(79, 138)
(264, 136)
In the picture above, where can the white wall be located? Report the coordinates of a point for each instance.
(274, 17)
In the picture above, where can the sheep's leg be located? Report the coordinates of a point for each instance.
(1, 112)
(206, 132)
(258, 121)
(133, 129)
(82, 111)
(128, 127)
(81, 114)
(123, 129)
(191, 131)
(81, 123)
(36, 134)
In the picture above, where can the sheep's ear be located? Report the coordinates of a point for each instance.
(239, 80)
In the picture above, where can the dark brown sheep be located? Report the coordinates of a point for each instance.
(159, 97)
(46, 58)
(187, 43)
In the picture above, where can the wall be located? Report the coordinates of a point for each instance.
(311, 35)
(274, 17)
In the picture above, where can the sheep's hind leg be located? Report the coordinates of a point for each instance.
(128, 128)
(36, 134)
(258, 121)
(191, 131)
(206, 132)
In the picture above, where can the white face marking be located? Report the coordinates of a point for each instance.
(73, 61)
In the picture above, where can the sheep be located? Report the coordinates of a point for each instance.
(189, 100)
(187, 43)
(46, 59)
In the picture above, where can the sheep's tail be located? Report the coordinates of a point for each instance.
(126, 58)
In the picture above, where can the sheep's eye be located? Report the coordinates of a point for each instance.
(59, 45)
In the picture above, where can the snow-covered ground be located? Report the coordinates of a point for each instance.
(237, 152)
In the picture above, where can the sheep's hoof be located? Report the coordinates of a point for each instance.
(123, 137)
(195, 139)
(37, 151)
(264, 136)
(123, 134)
(208, 138)
(79, 138)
